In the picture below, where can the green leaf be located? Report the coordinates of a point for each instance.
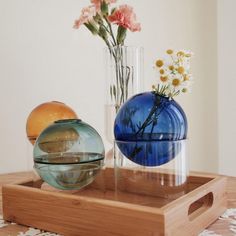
(104, 8)
(97, 18)
(111, 92)
(102, 32)
(113, 10)
(92, 28)
(114, 91)
(121, 34)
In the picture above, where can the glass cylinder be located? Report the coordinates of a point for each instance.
(144, 182)
(124, 78)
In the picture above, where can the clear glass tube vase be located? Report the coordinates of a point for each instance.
(124, 78)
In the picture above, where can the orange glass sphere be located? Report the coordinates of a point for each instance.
(44, 115)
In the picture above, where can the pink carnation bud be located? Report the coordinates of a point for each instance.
(125, 17)
(86, 16)
(97, 3)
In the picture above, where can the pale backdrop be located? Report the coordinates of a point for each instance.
(43, 59)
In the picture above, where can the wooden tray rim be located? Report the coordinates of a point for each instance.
(182, 200)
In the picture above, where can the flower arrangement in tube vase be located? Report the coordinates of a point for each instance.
(149, 127)
(111, 25)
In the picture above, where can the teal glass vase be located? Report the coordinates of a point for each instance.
(68, 154)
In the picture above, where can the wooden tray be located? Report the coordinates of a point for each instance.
(100, 210)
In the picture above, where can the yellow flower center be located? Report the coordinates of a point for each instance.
(159, 63)
(180, 70)
(180, 53)
(171, 67)
(161, 71)
(188, 55)
(163, 78)
(186, 78)
(176, 82)
(169, 51)
(184, 90)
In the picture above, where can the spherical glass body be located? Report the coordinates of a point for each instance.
(68, 154)
(44, 115)
(147, 128)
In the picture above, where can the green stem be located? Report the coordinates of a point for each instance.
(111, 32)
(150, 119)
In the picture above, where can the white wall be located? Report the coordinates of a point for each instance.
(227, 86)
(42, 59)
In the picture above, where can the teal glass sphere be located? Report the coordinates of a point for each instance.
(68, 154)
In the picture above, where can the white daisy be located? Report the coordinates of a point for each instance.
(173, 73)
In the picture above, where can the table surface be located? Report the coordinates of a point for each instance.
(220, 227)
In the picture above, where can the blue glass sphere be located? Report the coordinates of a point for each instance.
(68, 154)
(148, 127)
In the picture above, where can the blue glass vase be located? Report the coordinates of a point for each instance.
(68, 154)
(148, 128)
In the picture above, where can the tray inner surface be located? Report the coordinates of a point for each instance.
(145, 189)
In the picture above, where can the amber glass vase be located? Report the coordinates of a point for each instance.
(40, 118)
(44, 115)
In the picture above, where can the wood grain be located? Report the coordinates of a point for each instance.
(220, 227)
(136, 211)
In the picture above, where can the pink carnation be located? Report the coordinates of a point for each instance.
(86, 16)
(125, 17)
(97, 3)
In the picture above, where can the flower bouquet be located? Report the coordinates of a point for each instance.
(111, 25)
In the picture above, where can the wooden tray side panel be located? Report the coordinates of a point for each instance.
(75, 216)
(178, 220)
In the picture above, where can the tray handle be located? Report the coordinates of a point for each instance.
(199, 206)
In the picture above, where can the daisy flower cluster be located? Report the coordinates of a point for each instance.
(173, 74)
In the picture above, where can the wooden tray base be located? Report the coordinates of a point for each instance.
(100, 209)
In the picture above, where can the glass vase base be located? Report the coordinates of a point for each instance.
(168, 180)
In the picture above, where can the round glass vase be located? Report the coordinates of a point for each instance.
(124, 78)
(150, 146)
(68, 154)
